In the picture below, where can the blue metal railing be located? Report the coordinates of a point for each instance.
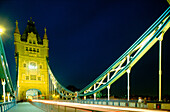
(6, 106)
(124, 103)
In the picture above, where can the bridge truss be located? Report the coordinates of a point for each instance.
(124, 63)
(5, 74)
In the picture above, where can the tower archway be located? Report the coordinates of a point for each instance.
(33, 94)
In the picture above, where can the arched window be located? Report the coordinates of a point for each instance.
(26, 77)
(33, 41)
(34, 50)
(26, 48)
(30, 49)
(24, 65)
(32, 65)
(40, 66)
(30, 41)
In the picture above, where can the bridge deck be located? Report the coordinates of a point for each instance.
(24, 107)
(51, 105)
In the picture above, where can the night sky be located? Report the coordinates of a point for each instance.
(86, 37)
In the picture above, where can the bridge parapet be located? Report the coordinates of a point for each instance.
(6, 106)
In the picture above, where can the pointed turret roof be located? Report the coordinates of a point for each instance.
(45, 34)
(16, 28)
(31, 28)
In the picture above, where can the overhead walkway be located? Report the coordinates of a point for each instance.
(25, 107)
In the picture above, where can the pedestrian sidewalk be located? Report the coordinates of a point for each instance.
(24, 107)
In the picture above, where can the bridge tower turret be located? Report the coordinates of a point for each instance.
(17, 34)
(31, 52)
(45, 39)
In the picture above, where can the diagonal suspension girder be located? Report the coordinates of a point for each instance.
(133, 54)
(4, 69)
(64, 92)
(124, 63)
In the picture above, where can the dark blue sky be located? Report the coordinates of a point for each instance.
(86, 37)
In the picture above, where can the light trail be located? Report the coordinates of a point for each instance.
(92, 106)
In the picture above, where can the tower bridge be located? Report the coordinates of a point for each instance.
(30, 55)
(35, 79)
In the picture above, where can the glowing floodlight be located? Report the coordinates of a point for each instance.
(2, 30)
(32, 67)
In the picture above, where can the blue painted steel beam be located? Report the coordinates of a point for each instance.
(4, 70)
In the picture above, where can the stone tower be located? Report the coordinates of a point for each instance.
(31, 53)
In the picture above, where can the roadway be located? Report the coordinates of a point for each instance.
(90, 107)
(25, 107)
(54, 106)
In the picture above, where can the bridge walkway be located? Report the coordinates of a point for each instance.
(25, 107)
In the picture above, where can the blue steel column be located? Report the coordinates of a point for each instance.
(160, 66)
(128, 85)
(94, 93)
(160, 70)
(128, 79)
(84, 96)
(3, 83)
(11, 99)
(8, 94)
(108, 87)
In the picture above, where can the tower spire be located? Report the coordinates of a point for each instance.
(17, 29)
(45, 34)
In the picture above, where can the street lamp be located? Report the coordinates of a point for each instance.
(2, 29)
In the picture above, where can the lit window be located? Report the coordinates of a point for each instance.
(39, 78)
(33, 77)
(32, 65)
(26, 77)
